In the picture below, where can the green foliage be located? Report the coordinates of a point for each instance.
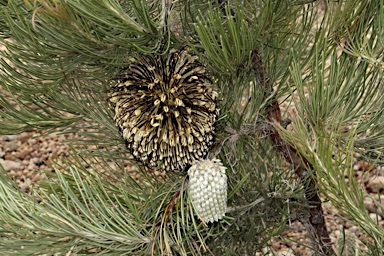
(61, 57)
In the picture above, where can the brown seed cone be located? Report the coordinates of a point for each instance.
(166, 109)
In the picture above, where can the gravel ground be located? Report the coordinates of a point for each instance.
(23, 156)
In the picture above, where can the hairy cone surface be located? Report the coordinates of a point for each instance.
(166, 109)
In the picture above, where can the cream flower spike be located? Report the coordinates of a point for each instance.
(207, 189)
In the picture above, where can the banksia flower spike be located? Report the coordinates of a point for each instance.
(207, 189)
(166, 109)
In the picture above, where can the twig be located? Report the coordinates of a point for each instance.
(235, 135)
(315, 222)
(171, 203)
(245, 130)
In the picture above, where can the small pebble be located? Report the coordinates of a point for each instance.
(9, 137)
(10, 157)
(24, 187)
(285, 253)
(375, 184)
(375, 217)
(9, 165)
(12, 145)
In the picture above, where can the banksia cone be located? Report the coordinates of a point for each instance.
(166, 109)
(207, 189)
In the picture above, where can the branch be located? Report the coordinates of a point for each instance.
(245, 130)
(315, 223)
